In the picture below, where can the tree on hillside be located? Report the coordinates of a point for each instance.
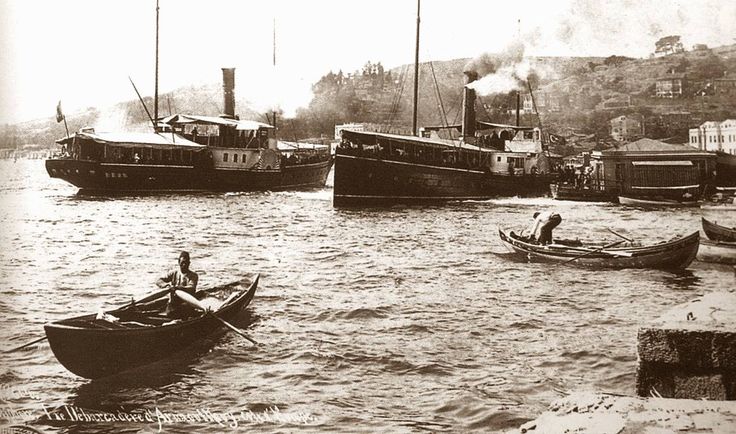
(616, 60)
(707, 68)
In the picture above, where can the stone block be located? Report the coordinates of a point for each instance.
(690, 351)
(591, 412)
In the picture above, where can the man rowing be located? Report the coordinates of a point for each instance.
(182, 279)
(544, 222)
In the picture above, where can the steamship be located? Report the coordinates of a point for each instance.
(190, 153)
(489, 160)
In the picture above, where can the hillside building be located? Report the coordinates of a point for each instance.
(670, 86)
(715, 136)
(668, 45)
(625, 128)
(545, 102)
(725, 86)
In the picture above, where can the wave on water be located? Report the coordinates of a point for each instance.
(386, 319)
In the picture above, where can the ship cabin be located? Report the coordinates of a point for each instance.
(161, 149)
(500, 149)
(223, 131)
(244, 144)
(413, 150)
(515, 150)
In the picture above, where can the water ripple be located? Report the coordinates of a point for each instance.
(397, 319)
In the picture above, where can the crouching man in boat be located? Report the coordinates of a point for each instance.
(182, 279)
(544, 222)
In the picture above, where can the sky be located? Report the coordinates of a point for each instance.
(81, 52)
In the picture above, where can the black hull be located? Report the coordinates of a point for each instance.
(93, 176)
(102, 178)
(361, 181)
(717, 232)
(303, 176)
(95, 353)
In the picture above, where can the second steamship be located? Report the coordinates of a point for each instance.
(489, 160)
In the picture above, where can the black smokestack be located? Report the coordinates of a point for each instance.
(468, 131)
(228, 88)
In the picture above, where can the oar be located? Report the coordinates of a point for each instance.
(146, 299)
(588, 249)
(619, 235)
(616, 243)
(195, 303)
(26, 345)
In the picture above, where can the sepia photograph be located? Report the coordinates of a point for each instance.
(385, 216)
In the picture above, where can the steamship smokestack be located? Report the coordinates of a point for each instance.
(228, 88)
(468, 131)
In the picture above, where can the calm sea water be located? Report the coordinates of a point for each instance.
(402, 319)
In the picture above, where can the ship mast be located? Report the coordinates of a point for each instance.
(155, 91)
(274, 68)
(416, 76)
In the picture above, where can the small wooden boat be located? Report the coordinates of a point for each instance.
(94, 346)
(642, 202)
(723, 252)
(570, 192)
(672, 255)
(717, 232)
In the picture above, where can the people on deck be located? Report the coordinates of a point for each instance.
(182, 279)
(544, 222)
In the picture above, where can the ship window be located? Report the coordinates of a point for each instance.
(224, 156)
(235, 158)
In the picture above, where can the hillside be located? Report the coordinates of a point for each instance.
(575, 97)
(128, 115)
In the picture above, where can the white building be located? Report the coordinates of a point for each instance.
(715, 136)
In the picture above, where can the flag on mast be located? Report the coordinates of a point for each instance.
(59, 113)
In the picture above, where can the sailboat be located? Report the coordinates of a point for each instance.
(186, 152)
(489, 160)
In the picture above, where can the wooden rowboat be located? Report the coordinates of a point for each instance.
(723, 252)
(138, 334)
(569, 192)
(672, 255)
(717, 232)
(633, 201)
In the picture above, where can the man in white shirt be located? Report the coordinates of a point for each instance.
(182, 279)
(544, 222)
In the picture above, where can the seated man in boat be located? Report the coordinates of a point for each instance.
(544, 222)
(182, 279)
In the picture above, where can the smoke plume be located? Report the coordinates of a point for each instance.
(500, 73)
